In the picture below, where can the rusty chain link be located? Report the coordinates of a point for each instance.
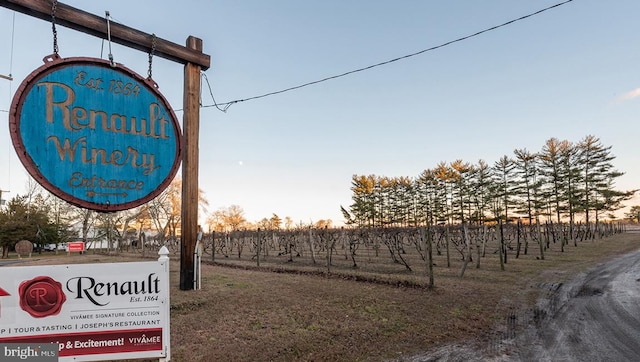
(151, 53)
(53, 26)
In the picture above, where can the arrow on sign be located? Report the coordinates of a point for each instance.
(3, 293)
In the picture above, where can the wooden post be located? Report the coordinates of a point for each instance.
(519, 241)
(344, 245)
(313, 252)
(478, 251)
(467, 243)
(258, 249)
(484, 240)
(446, 240)
(213, 245)
(501, 248)
(328, 254)
(426, 238)
(91, 24)
(540, 239)
(191, 130)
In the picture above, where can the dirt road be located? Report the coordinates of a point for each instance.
(595, 317)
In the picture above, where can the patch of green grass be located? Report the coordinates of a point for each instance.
(456, 312)
(255, 325)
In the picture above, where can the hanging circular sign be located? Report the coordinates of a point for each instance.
(98, 136)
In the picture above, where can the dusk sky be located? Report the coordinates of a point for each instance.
(568, 72)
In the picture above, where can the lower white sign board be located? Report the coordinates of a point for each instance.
(93, 312)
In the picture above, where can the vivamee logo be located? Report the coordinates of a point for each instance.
(144, 340)
(41, 296)
(94, 291)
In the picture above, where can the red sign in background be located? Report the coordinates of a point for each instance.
(75, 246)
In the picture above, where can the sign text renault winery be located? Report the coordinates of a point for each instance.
(98, 136)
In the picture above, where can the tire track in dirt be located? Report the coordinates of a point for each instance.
(597, 318)
(593, 317)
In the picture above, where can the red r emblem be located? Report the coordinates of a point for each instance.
(41, 297)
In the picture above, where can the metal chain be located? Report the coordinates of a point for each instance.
(151, 53)
(107, 16)
(53, 26)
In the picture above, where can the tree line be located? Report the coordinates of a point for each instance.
(561, 182)
(42, 218)
(231, 218)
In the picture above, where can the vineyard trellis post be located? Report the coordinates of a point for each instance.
(478, 247)
(328, 246)
(213, 246)
(484, 240)
(344, 244)
(311, 248)
(518, 238)
(446, 241)
(501, 246)
(467, 248)
(540, 239)
(429, 259)
(258, 248)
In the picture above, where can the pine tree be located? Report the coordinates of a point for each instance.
(504, 187)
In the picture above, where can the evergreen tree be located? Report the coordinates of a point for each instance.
(364, 201)
(551, 166)
(598, 177)
(480, 191)
(21, 220)
(460, 174)
(504, 187)
(527, 183)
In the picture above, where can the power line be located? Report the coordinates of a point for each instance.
(226, 105)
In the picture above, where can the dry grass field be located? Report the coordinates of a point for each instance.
(280, 313)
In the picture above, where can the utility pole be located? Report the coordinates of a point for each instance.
(1, 200)
(9, 78)
(194, 60)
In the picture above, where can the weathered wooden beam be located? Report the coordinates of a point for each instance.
(190, 152)
(88, 23)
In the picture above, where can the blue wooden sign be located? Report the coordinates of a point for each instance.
(97, 136)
